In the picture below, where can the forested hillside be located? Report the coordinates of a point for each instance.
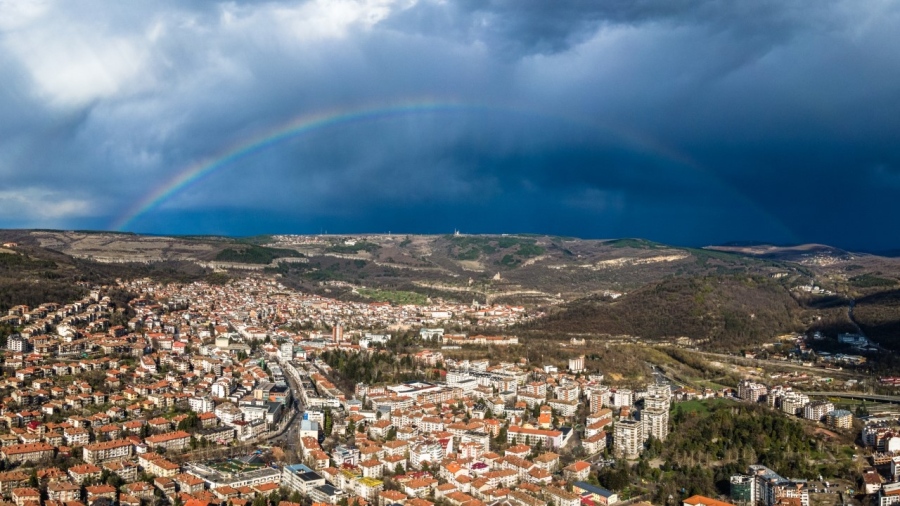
(31, 275)
(714, 439)
(728, 311)
(879, 317)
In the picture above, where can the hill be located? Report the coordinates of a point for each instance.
(722, 312)
(33, 275)
(799, 253)
(721, 296)
(517, 269)
(32, 279)
(878, 316)
(520, 269)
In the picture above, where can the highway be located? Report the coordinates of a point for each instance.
(755, 362)
(858, 395)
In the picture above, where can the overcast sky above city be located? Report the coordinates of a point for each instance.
(684, 121)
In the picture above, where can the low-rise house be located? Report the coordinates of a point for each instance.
(188, 483)
(165, 485)
(83, 472)
(872, 480)
(548, 461)
(119, 449)
(97, 492)
(22, 496)
(63, 492)
(598, 495)
(34, 452)
(577, 471)
(140, 489)
(699, 500)
(226, 493)
(124, 469)
(156, 465)
(170, 441)
(420, 487)
(12, 479)
(388, 497)
(129, 500)
(559, 497)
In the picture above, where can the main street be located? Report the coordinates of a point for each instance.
(289, 431)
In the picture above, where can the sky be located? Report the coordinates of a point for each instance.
(689, 122)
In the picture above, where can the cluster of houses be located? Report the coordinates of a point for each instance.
(86, 400)
(488, 434)
(111, 404)
(257, 305)
(881, 434)
(795, 402)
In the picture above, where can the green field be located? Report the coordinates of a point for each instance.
(397, 297)
(234, 466)
(700, 406)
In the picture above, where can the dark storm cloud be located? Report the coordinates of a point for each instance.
(535, 26)
(685, 121)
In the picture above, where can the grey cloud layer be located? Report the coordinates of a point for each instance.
(687, 121)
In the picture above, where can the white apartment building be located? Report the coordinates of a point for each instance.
(431, 452)
(622, 397)
(655, 422)
(751, 391)
(794, 402)
(97, 453)
(286, 351)
(201, 404)
(628, 439)
(228, 413)
(817, 410)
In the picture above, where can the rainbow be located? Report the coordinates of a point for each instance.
(335, 117)
(295, 127)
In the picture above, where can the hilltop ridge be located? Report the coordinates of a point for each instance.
(727, 295)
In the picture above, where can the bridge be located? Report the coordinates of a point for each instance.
(894, 399)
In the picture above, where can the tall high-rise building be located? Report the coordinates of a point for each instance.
(576, 364)
(817, 410)
(337, 333)
(658, 397)
(839, 419)
(286, 350)
(628, 440)
(655, 422)
(770, 488)
(794, 402)
(599, 397)
(750, 391)
(622, 397)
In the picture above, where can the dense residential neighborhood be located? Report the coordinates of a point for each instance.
(251, 392)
